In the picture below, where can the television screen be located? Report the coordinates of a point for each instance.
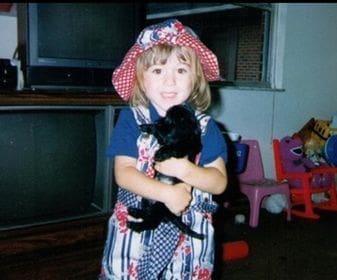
(75, 44)
(53, 165)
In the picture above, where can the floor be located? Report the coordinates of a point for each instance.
(278, 249)
(63, 251)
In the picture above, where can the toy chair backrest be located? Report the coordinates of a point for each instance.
(280, 174)
(254, 167)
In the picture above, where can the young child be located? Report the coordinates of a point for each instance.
(167, 66)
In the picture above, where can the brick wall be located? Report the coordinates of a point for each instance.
(249, 55)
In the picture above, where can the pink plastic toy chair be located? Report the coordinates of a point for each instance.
(255, 186)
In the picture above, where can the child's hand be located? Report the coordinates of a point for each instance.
(173, 166)
(179, 199)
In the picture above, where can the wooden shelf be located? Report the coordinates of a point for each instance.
(9, 97)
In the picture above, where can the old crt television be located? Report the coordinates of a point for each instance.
(53, 164)
(71, 46)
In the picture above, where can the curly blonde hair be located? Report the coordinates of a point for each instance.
(200, 98)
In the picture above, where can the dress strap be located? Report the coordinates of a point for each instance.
(146, 149)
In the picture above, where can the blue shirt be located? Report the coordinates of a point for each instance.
(126, 131)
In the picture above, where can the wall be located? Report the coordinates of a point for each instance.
(310, 82)
(8, 36)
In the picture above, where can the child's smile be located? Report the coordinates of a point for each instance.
(168, 84)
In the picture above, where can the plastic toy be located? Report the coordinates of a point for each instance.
(330, 150)
(235, 250)
(302, 201)
(275, 203)
(294, 161)
(314, 135)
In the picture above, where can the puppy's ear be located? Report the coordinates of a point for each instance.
(148, 128)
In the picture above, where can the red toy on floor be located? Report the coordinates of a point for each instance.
(235, 250)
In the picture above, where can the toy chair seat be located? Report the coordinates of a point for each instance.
(255, 186)
(301, 198)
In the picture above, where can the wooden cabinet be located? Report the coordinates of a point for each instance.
(57, 250)
(69, 250)
(27, 97)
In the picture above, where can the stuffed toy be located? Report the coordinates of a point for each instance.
(275, 203)
(294, 161)
(179, 135)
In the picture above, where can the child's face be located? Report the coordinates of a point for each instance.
(168, 84)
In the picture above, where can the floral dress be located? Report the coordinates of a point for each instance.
(163, 253)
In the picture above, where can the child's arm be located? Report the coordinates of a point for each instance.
(211, 178)
(177, 198)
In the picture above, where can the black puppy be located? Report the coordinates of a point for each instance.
(179, 135)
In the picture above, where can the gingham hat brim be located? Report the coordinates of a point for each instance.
(170, 32)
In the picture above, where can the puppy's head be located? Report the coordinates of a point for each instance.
(179, 125)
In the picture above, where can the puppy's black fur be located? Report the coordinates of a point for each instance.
(179, 135)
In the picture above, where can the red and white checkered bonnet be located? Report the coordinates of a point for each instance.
(168, 32)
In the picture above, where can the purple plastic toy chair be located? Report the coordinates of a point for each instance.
(255, 186)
